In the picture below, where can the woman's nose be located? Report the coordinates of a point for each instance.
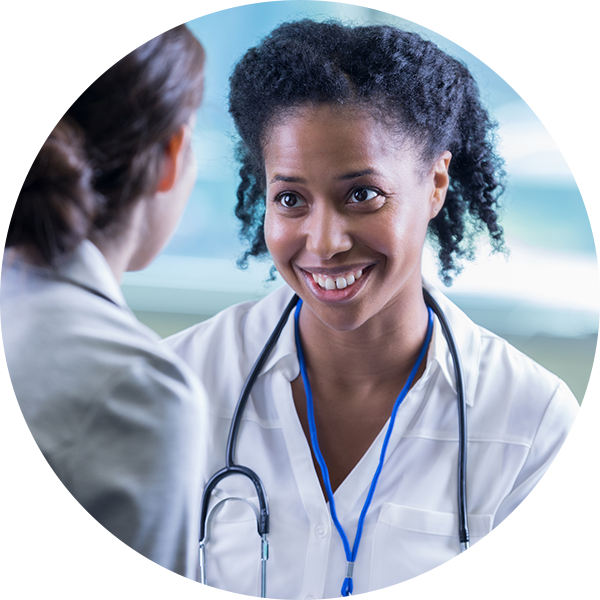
(327, 233)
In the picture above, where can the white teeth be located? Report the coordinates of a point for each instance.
(341, 282)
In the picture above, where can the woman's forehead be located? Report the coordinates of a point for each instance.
(315, 134)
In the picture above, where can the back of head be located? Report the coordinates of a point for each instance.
(429, 99)
(105, 152)
(57, 202)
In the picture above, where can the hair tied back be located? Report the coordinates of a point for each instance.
(47, 200)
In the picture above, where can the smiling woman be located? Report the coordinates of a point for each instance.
(427, 100)
(357, 143)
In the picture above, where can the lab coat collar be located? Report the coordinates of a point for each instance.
(468, 341)
(264, 315)
(87, 268)
(260, 322)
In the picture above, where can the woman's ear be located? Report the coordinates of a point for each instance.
(441, 181)
(172, 159)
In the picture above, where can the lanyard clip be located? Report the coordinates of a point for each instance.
(348, 586)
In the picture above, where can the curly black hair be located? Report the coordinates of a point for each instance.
(399, 77)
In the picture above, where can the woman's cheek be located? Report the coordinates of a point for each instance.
(270, 238)
(276, 237)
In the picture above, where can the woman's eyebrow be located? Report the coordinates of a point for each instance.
(345, 177)
(356, 174)
(287, 179)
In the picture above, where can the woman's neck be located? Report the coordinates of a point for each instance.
(356, 376)
(119, 243)
(381, 351)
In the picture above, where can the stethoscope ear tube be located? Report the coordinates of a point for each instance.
(262, 518)
(470, 571)
(262, 515)
(463, 530)
(254, 373)
(230, 467)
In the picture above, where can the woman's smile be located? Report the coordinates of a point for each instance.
(335, 285)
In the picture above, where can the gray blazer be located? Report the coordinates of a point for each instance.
(100, 428)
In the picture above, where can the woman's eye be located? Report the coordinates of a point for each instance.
(363, 194)
(290, 200)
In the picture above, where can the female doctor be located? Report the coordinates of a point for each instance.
(355, 144)
(115, 414)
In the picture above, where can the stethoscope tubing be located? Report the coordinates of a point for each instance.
(230, 467)
(254, 373)
(463, 529)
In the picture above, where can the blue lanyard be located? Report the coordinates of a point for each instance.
(347, 586)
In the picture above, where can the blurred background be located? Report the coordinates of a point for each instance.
(542, 296)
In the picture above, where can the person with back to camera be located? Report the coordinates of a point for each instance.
(356, 143)
(118, 416)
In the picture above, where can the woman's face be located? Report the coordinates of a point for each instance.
(347, 212)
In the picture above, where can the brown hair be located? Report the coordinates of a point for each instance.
(104, 154)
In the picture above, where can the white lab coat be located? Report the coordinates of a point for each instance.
(518, 416)
(118, 416)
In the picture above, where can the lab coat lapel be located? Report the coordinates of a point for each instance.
(260, 322)
(300, 453)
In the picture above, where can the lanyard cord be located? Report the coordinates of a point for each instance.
(347, 586)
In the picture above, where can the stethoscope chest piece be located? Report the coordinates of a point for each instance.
(469, 573)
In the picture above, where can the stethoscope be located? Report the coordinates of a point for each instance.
(262, 512)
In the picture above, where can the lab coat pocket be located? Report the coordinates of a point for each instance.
(410, 541)
(233, 546)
